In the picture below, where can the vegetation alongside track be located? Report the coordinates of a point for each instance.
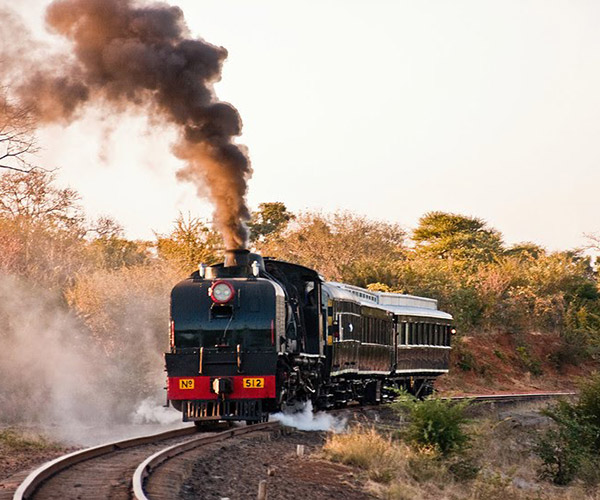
(435, 451)
(525, 315)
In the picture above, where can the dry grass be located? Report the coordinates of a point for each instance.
(15, 439)
(366, 449)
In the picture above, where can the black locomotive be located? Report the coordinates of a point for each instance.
(255, 334)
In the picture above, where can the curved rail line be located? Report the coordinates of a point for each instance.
(47, 470)
(28, 488)
(154, 461)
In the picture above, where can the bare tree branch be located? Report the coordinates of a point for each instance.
(593, 241)
(17, 136)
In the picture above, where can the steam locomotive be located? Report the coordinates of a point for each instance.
(253, 335)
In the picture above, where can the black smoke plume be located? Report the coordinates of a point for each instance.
(128, 54)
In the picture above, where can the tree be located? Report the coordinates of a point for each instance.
(190, 243)
(452, 236)
(17, 135)
(31, 197)
(270, 218)
(341, 246)
(41, 227)
(525, 250)
(111, 250)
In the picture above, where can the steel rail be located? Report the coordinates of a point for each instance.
(160, 457)
(485, 398)
(47, 470)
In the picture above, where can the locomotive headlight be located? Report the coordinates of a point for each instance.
(221, 292)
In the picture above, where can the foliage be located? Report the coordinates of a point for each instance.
(270, 218)
(463, 357)
(41, 228)
(452, 236)
(32, 197)
(572, 447)
(589, 403)
(445, 280)
(566, 447)
(191, 243)
(113, 252)
(531, 364)
(341, 246)
(438, 424)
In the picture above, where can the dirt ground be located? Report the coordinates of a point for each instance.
(233, 470)
(25, 449)
(505, 362)
(22, 450)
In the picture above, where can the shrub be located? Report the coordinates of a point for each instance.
(463, 468)
(588, 405)
(438, 424)
(572, 448)
(532, 364)
(568, 446)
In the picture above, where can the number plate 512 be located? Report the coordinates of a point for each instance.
(253, 383)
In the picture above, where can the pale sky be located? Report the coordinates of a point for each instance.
(389, 109)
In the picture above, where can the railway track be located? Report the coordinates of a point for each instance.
(121, 469)
(106, 472)
(511, 398)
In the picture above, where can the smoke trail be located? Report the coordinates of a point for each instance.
(128, 55)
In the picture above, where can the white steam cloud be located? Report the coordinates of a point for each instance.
(149, 412)
(55, 374)
(306, 420)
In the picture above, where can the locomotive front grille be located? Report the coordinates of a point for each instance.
(242, 409)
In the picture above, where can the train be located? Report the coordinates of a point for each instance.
(254, 335)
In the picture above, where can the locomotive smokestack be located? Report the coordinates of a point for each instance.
(236, 257)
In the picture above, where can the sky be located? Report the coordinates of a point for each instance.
(389, 109)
